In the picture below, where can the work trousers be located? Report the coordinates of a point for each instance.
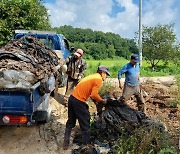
(129, 90)
(71, 84)
(78, 110)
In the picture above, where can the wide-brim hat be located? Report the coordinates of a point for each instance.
(135, 58)
(104, 69)
(77, 54)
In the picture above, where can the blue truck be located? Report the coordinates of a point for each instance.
(27, 106)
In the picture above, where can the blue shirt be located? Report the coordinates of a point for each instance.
(131, 74)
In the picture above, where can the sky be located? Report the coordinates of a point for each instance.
(117, 16)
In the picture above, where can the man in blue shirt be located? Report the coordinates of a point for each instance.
(131, 85)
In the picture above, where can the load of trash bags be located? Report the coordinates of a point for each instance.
(26, 61)
(116, 119)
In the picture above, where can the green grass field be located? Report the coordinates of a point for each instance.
(116, 65)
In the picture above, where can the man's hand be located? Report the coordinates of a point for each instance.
(104, 101)
(120, 86)
(79, 78)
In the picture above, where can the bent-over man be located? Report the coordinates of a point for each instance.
(77, 107)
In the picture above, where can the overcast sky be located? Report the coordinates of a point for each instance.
(117, 16)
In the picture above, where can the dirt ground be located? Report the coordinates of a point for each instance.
(41, 138)
(48, 138)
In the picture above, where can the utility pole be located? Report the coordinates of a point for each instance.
(140, 31)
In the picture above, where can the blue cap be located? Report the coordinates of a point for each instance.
(104, 69)
(135, 58)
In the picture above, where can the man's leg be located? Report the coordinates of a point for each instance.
(71, 122)
(127, 93)
(140, 99)
(69, 88)
(83, 117)
(67, 135)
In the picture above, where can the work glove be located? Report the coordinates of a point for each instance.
(120, 85)
(79, 78)
(64, 68)
(104, 101)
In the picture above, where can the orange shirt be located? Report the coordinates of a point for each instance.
(88, 87)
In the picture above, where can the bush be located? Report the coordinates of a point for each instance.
(176, 93)
(143, 140)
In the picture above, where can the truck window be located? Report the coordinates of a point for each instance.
(66, 44)
(48, 42)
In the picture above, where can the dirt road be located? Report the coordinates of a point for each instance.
(44, 138)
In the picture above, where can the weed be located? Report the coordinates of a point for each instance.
(105, 89)
(176, 92)
(143, 140)
(174, 103)
(169, 150)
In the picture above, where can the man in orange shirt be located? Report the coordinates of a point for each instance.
(77, 107)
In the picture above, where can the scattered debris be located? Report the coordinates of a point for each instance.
(41, 138)
(116, 119)
(25, 61)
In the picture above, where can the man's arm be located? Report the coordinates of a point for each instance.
(120, 86)
(83, 68)
(95, 95)
(120, 73)
(67, 60)
(139, 73)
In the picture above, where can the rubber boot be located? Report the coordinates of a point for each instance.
(66, 101)
(67, 135)
(141, 108)
(86, 137)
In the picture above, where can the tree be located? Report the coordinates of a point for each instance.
(21, 14)
(176, 55)
(98, 51)
(158, 43)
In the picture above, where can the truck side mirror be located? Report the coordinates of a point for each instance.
(72, 49)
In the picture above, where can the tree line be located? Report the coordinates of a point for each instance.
(97, 44)
(159, 42)
(21, 14)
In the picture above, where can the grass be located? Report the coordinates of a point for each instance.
(176, 92)
(143, 140)
(146, 70)
(114, 65)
